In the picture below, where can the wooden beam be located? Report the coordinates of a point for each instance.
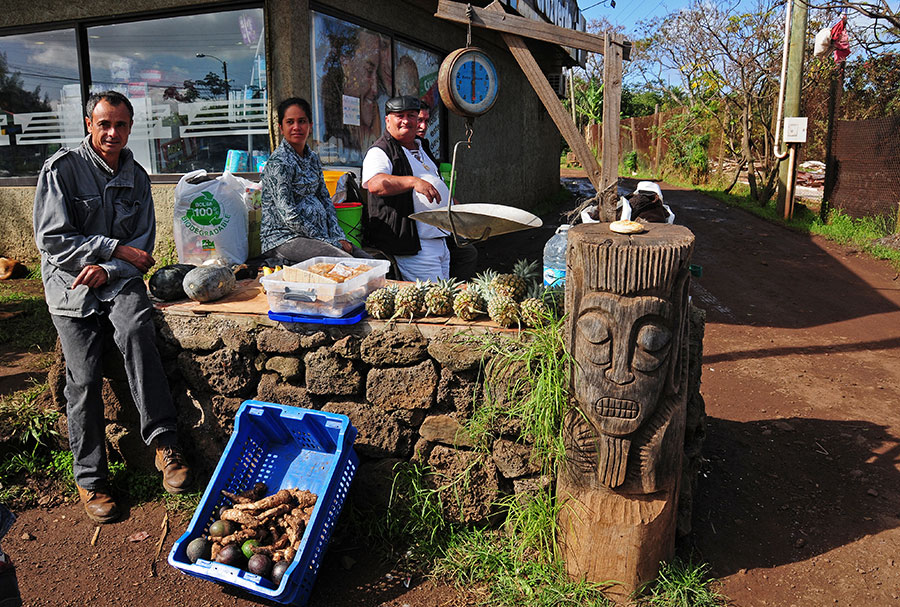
(500, 21)
(556, 110)
(612, 100)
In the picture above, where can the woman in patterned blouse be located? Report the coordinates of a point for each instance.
(298, 218)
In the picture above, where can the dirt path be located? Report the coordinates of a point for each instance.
(799, 500)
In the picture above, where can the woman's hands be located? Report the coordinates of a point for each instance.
(345, 244)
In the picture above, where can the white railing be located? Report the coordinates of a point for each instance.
(234, 117)
(64, 126)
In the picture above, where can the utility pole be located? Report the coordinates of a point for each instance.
(787, 174)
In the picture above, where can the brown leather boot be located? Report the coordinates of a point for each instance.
(176, 474)
(99, 505)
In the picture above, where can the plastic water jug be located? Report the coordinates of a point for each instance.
(555, 257)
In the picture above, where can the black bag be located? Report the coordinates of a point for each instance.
(648, 207)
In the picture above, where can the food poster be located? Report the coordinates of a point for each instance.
(416, 74)
(352, 80)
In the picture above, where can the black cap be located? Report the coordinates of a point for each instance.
(402, 104)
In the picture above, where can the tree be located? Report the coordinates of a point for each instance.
(14, 98)
(727, 59)
(879, 27)
(212, 86)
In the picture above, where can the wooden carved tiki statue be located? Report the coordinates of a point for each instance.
(627, 300)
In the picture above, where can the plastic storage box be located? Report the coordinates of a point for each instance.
(316, 299)
(284, 447)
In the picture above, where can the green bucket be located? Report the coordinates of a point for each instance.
(349, 216)
(445, 169)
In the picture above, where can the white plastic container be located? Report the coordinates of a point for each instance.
(555, 257)
(325, 299)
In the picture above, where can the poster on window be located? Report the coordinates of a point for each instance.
(351, 82)
(415, 73)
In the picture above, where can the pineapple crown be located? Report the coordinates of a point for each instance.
(527, 270)
(482, 283)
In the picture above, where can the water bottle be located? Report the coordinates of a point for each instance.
(555, 257)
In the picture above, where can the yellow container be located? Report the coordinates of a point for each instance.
(331, 180)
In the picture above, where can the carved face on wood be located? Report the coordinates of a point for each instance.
(626, 335)
(623, 351)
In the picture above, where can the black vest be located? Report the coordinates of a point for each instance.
(389, 226)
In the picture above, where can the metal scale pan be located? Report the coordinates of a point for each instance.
(478, 220)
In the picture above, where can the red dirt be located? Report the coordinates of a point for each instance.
(799, 496)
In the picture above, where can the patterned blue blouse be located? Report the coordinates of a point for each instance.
(295, 201)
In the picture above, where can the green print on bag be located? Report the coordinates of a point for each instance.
(205, 210)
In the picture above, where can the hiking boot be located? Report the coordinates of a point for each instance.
(99, 505)
(9, 585)
(176, 474)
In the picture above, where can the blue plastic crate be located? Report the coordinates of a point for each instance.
(284, 447)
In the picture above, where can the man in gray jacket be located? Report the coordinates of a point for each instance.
(95, 227)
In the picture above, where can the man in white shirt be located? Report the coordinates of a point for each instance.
(401, 180)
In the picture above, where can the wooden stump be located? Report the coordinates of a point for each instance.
(627, 300)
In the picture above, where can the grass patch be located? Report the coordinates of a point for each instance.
(683, 584)
(26, 323)
(527, 382)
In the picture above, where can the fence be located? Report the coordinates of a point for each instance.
(867, 164)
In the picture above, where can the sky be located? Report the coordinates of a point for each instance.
(628, 12)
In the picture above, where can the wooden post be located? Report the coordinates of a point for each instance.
(658, 141)
(627, 303)
(612, 101)
(634, 147)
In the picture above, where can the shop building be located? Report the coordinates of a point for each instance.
(205, 78)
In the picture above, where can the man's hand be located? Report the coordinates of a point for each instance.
(345, 244)
(139, 258)
(427, 190)
(92, 276)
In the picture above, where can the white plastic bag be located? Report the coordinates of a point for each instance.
(210, 219)
(823, 42)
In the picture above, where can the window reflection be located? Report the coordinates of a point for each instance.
(415, 73)
(198, 86)
(351, 82)
(40, 99)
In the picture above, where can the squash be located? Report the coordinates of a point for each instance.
(166, 282)
(209, 283)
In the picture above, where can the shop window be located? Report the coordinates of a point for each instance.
(415, 73)
(40, 99)
(198, 86)
(352, 78)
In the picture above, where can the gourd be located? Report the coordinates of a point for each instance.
(209, 283)
(166, 282)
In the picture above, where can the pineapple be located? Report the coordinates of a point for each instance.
(516, 284)
(380, 303)
(533, 310)
(410, 300)
(483, 284)
(468, 304)
(439, 297)
(503, 310)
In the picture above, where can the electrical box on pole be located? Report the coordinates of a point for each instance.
(795, 129)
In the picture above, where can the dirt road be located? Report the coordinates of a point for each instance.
(799, 500)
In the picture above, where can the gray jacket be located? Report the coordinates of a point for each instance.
(81, 214)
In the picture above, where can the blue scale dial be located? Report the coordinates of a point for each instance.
(468, 82)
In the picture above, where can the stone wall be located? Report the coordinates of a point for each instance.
(407, 388)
